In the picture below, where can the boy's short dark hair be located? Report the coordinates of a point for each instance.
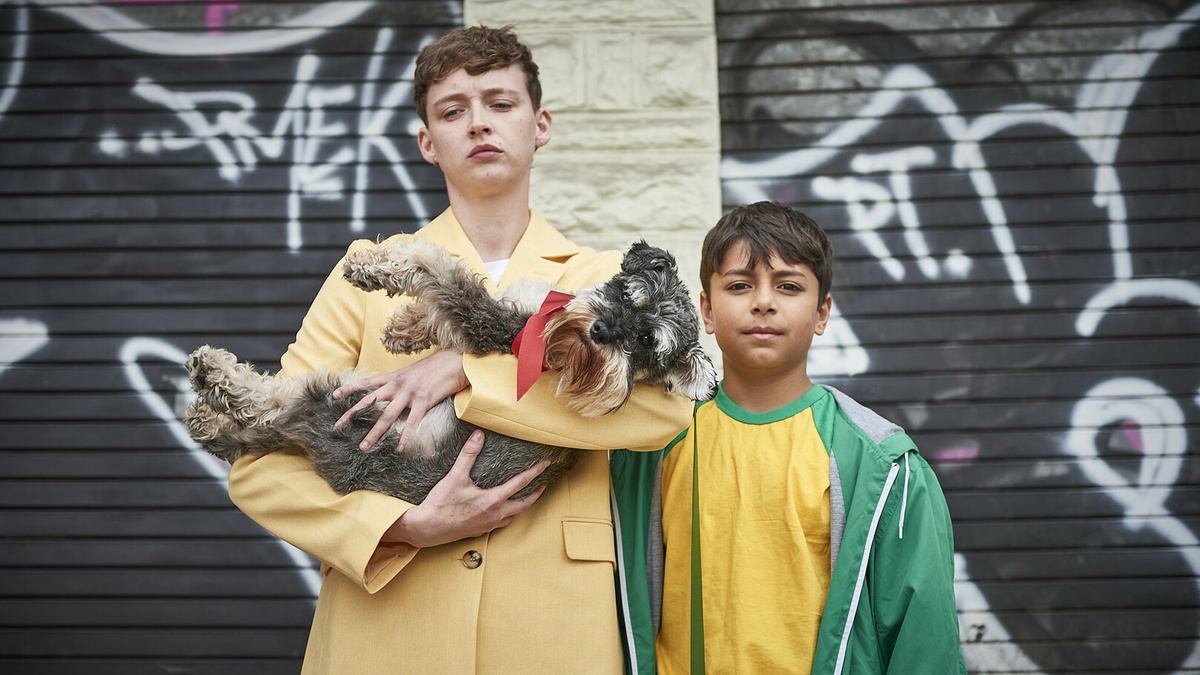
(766, 228)
(476, 49)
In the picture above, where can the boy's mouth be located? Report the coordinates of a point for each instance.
(763, 332)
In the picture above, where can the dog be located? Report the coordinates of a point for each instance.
(638, 327)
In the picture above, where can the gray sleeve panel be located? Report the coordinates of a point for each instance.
(837, 513)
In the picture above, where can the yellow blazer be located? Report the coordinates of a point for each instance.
(535, 596)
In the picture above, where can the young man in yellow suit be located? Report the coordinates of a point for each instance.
(468, 581)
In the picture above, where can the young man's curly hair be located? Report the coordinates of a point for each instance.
(477, 49)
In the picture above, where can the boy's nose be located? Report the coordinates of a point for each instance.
(764, 302)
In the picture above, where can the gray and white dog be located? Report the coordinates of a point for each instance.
(638, 327)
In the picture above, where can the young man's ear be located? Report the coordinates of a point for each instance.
(544, 125)
(706, 313)
(425, 143)
(823, 311)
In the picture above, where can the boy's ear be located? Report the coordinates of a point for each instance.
(693, 375)
(823, 312)
(706, 313)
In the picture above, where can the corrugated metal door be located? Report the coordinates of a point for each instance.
(1013, 196)
(173, 174)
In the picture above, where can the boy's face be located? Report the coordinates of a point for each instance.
(483, 130)
(765, 317)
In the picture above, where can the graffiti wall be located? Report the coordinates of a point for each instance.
(173, 173)
(1012, 192)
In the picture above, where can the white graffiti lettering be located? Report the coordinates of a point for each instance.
(320, 149)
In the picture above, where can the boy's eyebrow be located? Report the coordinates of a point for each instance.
(458, 96)
(781, 272)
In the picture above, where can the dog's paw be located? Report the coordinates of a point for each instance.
(207, 367)
(693, 376)
(408, 330)
(202, 422)
(372, 269)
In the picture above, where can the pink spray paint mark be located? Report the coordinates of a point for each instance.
(214, 17)
(960, 454)
(1132, 431)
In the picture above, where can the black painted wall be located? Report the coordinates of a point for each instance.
(173, 174)
(1013, 195)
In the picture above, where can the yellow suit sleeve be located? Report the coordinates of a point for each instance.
(648, 421)
(282, 492)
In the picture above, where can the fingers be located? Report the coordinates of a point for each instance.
(385, 421)
(363, 403)
(519, 481)
(467, 456)
(416, 412)
(372, 382)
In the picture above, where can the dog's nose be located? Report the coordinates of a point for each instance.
(600, 333)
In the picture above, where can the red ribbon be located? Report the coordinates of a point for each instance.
(530, 345)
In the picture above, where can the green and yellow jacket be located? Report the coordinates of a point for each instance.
(890, 607)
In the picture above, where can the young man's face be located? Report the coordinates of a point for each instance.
(765, 317)
(482, 130)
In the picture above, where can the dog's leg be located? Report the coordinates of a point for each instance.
(408, 330)
(231, 388)
(217, 433)
(457, 310)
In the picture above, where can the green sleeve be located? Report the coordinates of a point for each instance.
(912, 576)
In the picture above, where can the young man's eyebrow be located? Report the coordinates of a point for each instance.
(459, 96)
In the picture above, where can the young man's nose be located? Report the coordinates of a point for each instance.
(479, 121)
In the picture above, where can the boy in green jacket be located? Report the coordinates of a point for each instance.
(824, 543)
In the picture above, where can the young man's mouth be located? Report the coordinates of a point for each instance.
(485, 151)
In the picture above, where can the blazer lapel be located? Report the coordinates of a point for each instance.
(541, 254)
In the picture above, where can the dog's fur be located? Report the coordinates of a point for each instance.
(638, 327)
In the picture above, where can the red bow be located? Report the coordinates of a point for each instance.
(530, 345)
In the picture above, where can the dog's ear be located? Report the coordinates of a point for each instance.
(641, 256)
(693, 374)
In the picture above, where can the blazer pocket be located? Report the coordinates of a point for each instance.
(589, 540)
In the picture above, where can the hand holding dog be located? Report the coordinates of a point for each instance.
(458, 509)
(417, 387)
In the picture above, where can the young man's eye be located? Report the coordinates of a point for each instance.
(451, 114)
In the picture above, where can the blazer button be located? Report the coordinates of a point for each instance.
(472, 559)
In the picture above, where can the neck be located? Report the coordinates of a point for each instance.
(759, 393)
(494, 223)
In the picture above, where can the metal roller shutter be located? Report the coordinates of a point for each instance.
(173, 174)
(1012, 192)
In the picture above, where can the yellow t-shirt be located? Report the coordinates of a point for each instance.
(765, 539)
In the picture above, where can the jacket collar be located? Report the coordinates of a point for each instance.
(541, 254)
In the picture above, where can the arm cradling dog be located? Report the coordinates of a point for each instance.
(638, 327)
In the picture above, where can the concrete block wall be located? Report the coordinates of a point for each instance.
(632, 88)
